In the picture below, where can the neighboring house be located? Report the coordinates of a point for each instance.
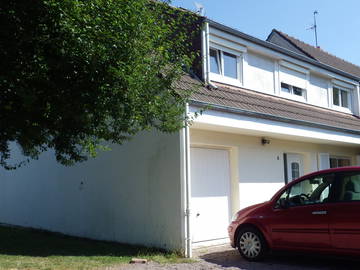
(275, 110)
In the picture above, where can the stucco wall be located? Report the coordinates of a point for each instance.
(260, 73)
(260, 76)
(260, 169)
(317, 92)
(130, 194)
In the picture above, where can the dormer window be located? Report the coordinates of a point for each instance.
(223, 63)
(293, 81)
(341, 97)
(293, 90)
(225, 66)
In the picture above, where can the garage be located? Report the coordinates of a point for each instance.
(210, 195)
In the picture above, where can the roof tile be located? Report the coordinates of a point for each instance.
(254, 102)
(322, 56)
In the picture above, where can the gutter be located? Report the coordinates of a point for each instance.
(271, 117)
(279, 49)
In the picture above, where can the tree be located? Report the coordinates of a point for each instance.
(77, 73)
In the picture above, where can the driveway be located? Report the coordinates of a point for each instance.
(225, 257)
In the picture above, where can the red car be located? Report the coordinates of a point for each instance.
(318, 212)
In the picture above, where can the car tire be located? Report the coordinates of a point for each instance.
(251, 244)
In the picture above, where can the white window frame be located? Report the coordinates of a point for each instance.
(291, 95)
(349, 99)
(239, 66)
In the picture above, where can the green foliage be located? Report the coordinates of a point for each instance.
(78, 73)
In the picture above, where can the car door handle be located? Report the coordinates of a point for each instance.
(319, 212)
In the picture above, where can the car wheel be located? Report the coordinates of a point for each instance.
(251, 244)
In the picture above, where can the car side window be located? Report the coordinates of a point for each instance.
(308, 191)
(348, 188)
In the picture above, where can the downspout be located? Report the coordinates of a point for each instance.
(205, 74)
(205, 51)
(357, 103)
(188, 250)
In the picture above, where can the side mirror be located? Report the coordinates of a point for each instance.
(283, 203)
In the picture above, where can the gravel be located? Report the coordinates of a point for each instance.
(225, 257)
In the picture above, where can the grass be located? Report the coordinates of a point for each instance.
(30, 249)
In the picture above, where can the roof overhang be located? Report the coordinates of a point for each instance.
(254, 124)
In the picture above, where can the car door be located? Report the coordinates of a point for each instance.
(300, 218)
(345, 213)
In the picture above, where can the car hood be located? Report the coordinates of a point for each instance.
(251, 209)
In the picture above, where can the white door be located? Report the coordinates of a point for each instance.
(295, 167)
(210, 194)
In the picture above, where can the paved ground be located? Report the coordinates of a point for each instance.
(225, 257)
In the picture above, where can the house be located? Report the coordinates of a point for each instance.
(275, 110)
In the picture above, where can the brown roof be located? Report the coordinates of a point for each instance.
(321, 55)
(244, 101)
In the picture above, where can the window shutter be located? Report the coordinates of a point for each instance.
(293, 77)
(323, 161)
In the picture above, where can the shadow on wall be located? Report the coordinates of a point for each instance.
(229, 257)
(30, 242)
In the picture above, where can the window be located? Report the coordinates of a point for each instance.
(341, 97)
(295, 170)
(297, 91)
(309, 191)
(224, 65)
(291, 89)
(230, 65)
(336, 162)
(215, 61)
(349, 187)
(286, 88)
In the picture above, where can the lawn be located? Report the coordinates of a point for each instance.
(31, 249)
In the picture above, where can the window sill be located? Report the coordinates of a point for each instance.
(341, 109)
(226, 80)
(293, 97)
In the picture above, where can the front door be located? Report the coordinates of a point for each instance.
(294, 166)
(210, 194)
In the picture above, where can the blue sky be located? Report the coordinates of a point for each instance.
(338, 21)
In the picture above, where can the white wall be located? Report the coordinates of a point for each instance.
(261, 168)
(130, 194)
(259, 73)
(317, 92)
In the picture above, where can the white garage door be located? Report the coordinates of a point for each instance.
(210, 191)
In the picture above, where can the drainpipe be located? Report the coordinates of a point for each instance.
(357, 103)
(205, 52)
(188, 249)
